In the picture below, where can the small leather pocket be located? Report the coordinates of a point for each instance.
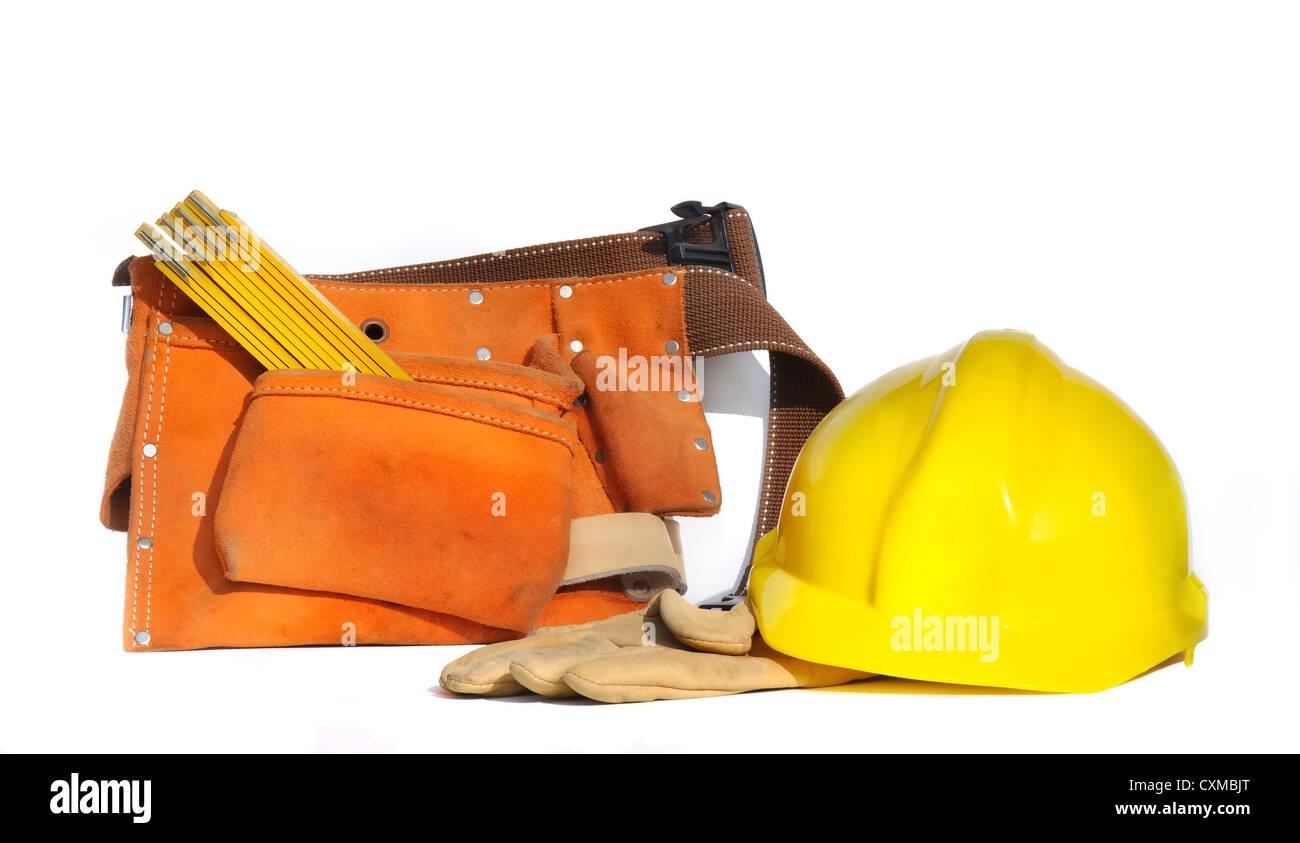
(451, 493)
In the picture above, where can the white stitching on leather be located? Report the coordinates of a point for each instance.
(753, 345)
(585, 244)
(635, 276)
(139, 482)
(518, 390)
(767, 467)
(153, 506)
(713, 270)
(421, 288)
(408, 402)
(726, 274)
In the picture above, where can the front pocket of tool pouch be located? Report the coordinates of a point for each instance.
(430, 495)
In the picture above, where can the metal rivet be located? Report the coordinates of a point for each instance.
(142, 637)
(566, 291)
(671, 346)
(375, 329)
(709, 497)
(683, 395)
(164, 328)
(702, 444)
(144, 542)
(580, 401)
(476, 297)
(669, 279)
(483, 353)
(575, 346)
(150, 450)
(600, 455)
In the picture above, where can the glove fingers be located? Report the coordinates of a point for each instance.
(659, 673)
(542, 671)
(707, 630)
(486, 670)
(488, 676)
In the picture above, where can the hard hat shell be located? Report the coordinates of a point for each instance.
(989, 516)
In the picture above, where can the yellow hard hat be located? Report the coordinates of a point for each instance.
(989, 516)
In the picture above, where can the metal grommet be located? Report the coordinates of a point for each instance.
(476, 297)
(141, 637)
(144, 542)
(600, 455)
(683, 395)
(709, 497)
(580, 401)
(702, 444)
(669, 279)
(640, 585)
(671, 346)
(483, 353)
(149, 450)
(375, 329)
(565, 292)
(575, 346)
(164, 328)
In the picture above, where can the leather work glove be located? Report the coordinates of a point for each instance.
(668, 651)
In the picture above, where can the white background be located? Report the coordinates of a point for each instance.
(1122, 179)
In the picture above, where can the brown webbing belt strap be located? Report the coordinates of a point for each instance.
(725, 313)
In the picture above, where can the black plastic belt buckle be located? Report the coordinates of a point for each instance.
(680, 252)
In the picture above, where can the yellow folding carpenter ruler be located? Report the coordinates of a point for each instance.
(253, 293)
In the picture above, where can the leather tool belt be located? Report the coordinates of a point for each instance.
(528, 476)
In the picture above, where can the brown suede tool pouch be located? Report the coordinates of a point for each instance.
(290, 507)
(438, 497)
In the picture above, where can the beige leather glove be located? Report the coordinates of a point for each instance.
(670, 650)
